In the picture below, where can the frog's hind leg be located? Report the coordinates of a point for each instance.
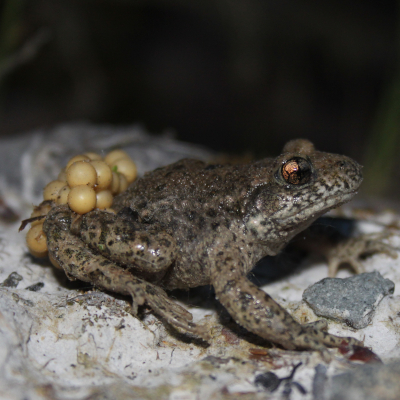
(80, 262)
(148, 250)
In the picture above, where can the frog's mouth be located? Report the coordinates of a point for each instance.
(331, 202)
(310, 212)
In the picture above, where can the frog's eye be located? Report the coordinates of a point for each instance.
(296, 171)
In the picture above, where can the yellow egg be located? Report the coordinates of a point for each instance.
(50, 192)
(62, 176)
(93, 156)
(63, 195)
(104, 199)
(115, 183)
(115, 155)
(127, 167)
(36, 241)
(123, 183)
(54, 261)
(39, 211)
(104, 175)
(81, 173)
(79, 157)
(82, 199)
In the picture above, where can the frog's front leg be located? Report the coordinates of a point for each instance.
(80, 262)
(350, 251)
(258, 312)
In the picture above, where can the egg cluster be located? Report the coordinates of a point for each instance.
(86, 183)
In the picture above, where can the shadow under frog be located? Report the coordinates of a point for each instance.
(191, 224)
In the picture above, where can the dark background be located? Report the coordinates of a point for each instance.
(234, 75)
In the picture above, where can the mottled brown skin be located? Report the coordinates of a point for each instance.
(191, 224)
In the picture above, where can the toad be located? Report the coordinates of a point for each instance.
(191, 224)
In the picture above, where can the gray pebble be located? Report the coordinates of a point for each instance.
(367, 382)
(351, 300)
(319, 382)
(12, 280)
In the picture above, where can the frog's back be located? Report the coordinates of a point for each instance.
(190, 195)
(177, 180)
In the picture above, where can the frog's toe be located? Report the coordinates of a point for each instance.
(338, 341)
(329, 340)
(314, 337)
(177, 309)
(335, 262)
(138, 296)
(350, 251)
(169, 304)
(176, 315)
(321, 325)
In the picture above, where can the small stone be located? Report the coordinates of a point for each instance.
(35, 287)
(268, 381)
(367, 382)
(351, 300)
(12, 280)
(319, 382)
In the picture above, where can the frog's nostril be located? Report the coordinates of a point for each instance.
(349, 165)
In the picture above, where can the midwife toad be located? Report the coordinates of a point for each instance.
(191, 224)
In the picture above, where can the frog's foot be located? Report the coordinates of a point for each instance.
(172, 312)
(321, 325)
(318, 329)
(352, 249)
(314, 336)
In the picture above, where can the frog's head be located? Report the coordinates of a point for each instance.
(301, 185)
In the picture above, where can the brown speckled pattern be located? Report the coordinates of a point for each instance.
(191, 224)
